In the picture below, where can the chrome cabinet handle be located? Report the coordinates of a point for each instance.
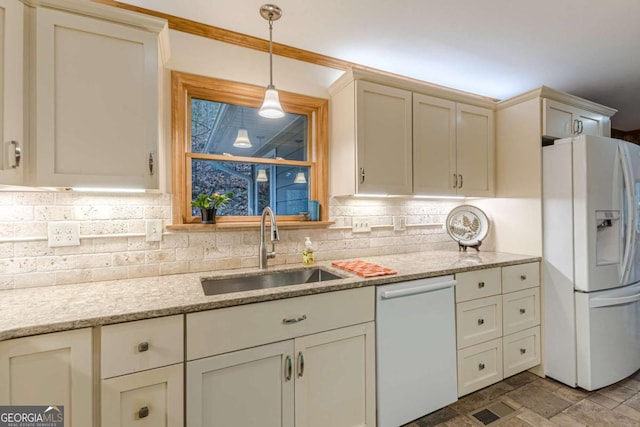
(480, 322)
(581, 128)
(289, 368)
(300, 364)
(151, 164)
(480, 366)
(143, 346)
(290, 320)
(523, 277)
(455, 180)
(361, 175)
(143, 412)
(461, 181)
(17, 153)
(480, 285)
(523, 311)
(523, 350)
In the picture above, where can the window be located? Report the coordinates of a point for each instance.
(221, 144)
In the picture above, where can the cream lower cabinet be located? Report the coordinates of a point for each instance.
(50, 370)
(324, 378)
(453, 148)
(497, 324)
(142, 373)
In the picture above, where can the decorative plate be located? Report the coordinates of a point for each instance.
(467, 225)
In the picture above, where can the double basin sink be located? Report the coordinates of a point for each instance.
(213, 286)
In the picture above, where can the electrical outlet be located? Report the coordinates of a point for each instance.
(154, 230)
(399, 223)
(63, 233)
(360, 225)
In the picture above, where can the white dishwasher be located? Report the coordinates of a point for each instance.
(415, 349)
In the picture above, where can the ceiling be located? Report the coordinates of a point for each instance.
(495, 48)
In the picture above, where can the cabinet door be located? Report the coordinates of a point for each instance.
(51, 369)
(96, 85)
(591, 123)
(335, 378)
(434, 145)
(252, 387)
(11, 92)
(145, 399)
(475, 150)
(383, 134)
(557, 119)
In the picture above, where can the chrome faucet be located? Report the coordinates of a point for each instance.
(264, 255)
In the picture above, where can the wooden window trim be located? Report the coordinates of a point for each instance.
(184, 86)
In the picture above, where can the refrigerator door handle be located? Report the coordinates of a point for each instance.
(630, 215)
(608, 302)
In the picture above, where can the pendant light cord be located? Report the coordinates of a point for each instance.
(270, 53)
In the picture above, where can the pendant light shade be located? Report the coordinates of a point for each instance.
(271, 107)
(300, 178)
(242, 140)
(262, 176)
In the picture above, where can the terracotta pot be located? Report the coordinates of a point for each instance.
(208, 215)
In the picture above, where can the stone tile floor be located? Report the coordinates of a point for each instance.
(543, 402)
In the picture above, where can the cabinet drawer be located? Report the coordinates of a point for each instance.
(478, 284)
(140, 345)
(521, 351)
(479, 366)
(227, 329)
(478, 321)
(521, 310)
(521, 276)
(150, 398)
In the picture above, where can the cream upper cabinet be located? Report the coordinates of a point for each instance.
(11, 92)
(51, 369)
(563, 120)
(371, 140)
(453, 148)
(96, 88)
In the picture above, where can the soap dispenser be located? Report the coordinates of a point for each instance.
(307, 253)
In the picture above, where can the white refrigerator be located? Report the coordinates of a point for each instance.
(591, 260)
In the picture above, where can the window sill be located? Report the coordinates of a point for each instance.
(235, 225)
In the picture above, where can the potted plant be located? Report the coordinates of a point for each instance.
(208, 205)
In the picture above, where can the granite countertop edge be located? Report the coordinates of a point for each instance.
(34, 311)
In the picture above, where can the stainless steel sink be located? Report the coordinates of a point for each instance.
(212, 286)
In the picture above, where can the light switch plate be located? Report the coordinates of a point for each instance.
(153, 230)
(360, 225)
(399, 223)
(63, 233)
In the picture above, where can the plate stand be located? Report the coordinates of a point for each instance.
(463, 248)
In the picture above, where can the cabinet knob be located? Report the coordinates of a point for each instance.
(480, 322)
(480, 285)
(143, 346)
(523, 310)
(523, 277)
(17, 153)
(480, 366)
(523, 350)
(143, 412)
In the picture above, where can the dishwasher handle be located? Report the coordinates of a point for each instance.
(431, 287)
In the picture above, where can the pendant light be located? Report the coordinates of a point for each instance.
(300, 178)
(271, 107)
(242, 140)
(262, 176)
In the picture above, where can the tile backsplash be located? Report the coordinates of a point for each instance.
(113, 245)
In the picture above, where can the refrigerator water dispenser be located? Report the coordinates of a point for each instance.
(607, 237)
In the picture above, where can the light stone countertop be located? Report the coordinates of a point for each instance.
(32, 311)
